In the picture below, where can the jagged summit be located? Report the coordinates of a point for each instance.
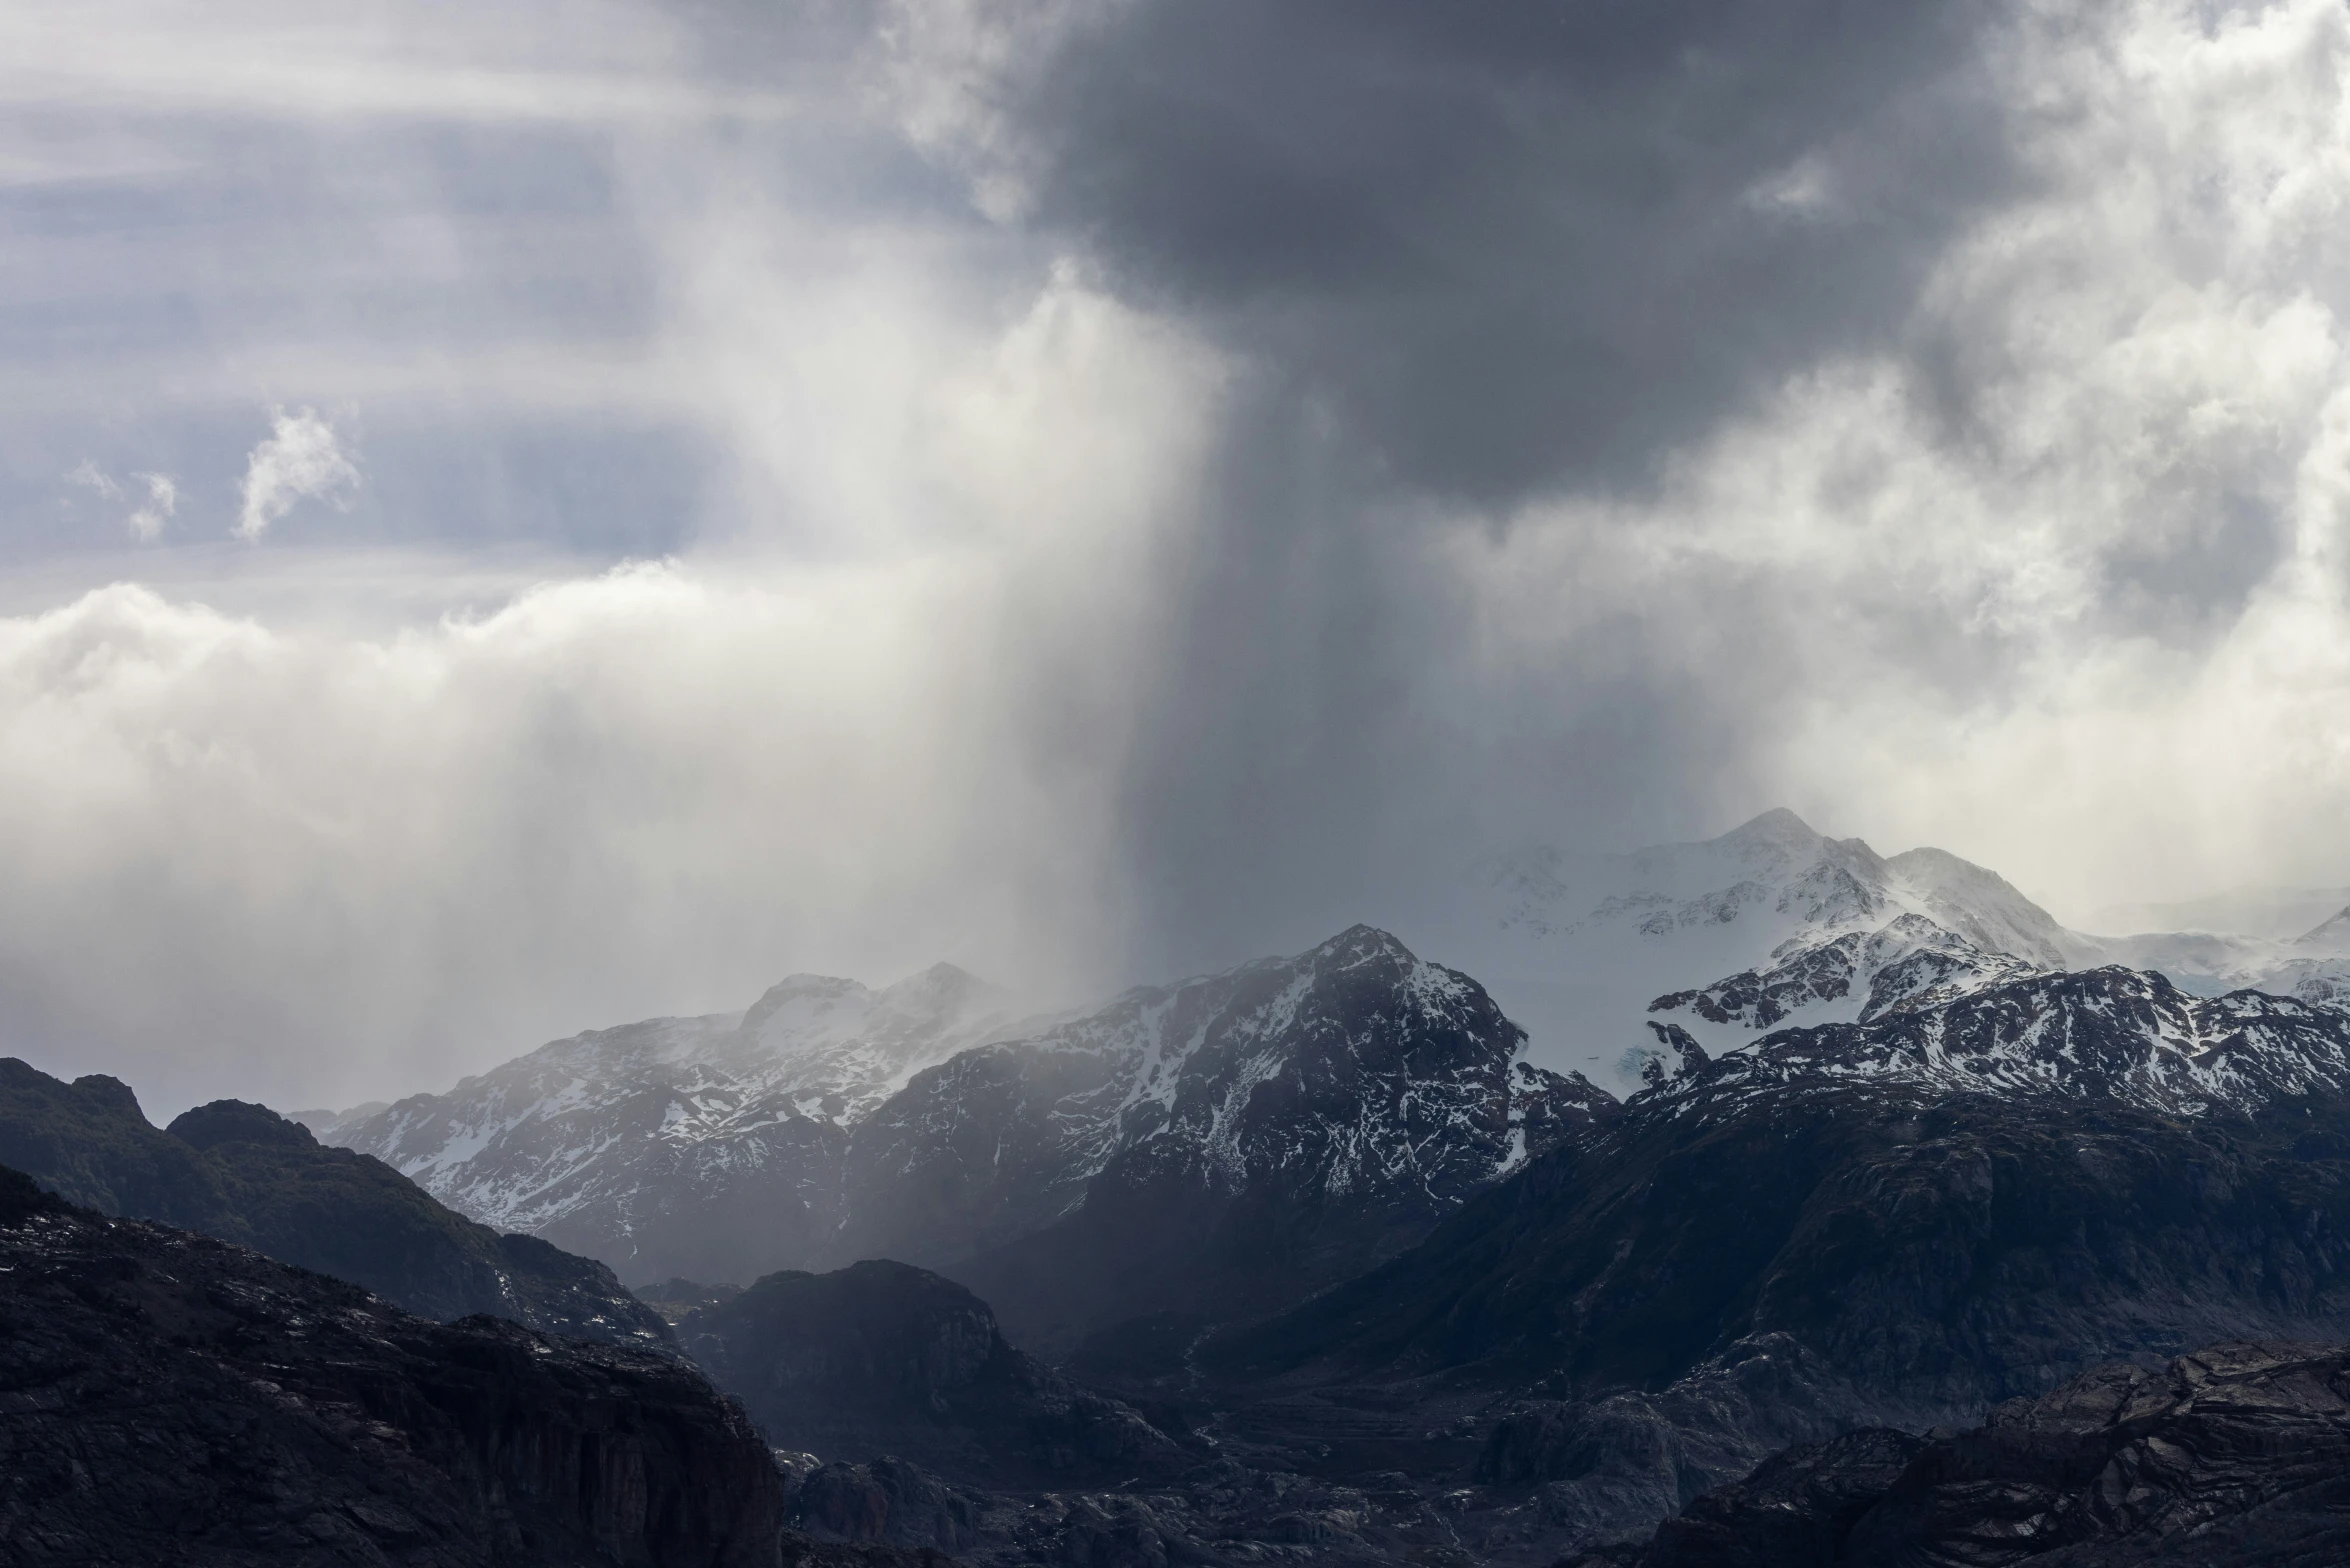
(1980, 905)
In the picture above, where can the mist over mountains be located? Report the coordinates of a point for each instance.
(918, 725)
(830, 1122)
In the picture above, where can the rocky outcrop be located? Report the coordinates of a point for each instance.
(169, 1398)
(2239, 1454)
(883, 1359)
(889, 1501)
(245, 1174)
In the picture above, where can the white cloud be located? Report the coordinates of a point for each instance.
(163, 499)
(90, 476)
(299, 459)
(333, 865)
(2091, 624)
(888, 713)
(147, 520)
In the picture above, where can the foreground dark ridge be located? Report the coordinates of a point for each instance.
(2238, 1455)
(245, 1174)
(168, 1398)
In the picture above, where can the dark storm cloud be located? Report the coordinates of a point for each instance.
(1520, 245)
(1469, 255)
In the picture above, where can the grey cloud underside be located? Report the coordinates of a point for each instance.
(1470, 256)
(1524, 245)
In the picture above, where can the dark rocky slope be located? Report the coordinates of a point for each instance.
(166, 1398)
(1943, 1254)
(2239, 1454)
(1844, 1228)
(243, 1173)
(883, 1359)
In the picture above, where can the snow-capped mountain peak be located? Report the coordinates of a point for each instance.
(1577, 947)
(1978, 904)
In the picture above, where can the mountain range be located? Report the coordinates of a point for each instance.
(1243, 1138)
(1281, 1118)
(1327, 1258)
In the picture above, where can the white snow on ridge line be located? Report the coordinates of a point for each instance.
(529, 1141)
(1577, 947)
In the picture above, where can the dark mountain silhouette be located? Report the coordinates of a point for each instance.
(243, 1173)
(173, 1399)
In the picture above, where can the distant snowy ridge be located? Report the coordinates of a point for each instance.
(2110, 1034)
(2314, 967)
(1774, 925)
(651, 1144)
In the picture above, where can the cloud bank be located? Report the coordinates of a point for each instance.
(1164, 482)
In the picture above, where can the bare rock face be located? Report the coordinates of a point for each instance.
(169, 1398)
(2239, 1454)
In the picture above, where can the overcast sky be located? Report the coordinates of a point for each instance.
(523, 516)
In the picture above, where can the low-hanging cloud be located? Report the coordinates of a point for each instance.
(300, 459)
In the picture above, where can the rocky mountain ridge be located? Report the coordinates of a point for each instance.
(1295, 1119)
(2111, 1034)
(882, 1361)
